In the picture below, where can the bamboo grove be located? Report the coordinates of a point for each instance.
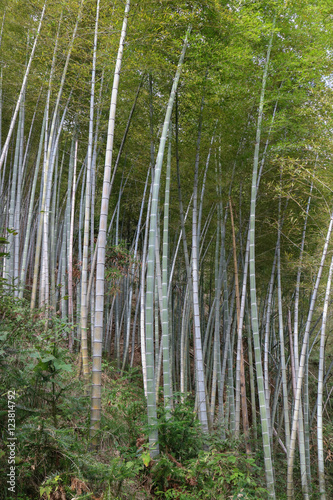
(166, 183)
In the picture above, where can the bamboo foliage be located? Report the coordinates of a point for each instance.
(5, 147)
(178, 305)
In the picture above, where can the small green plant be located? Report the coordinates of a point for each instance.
(3, 241)
(52, 428)
(212, 475)
(48, 486)
(118, 261)
(168, 476)
(179, 433)
(124, 411)
(120, 470)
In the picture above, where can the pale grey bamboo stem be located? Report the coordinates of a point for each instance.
(253, 293)
(101, 242)
(321, 463)
(199, 366)
(167, 382)
(150, 289)
(291, 454)
(84, 272)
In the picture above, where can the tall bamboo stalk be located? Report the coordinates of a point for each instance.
(240, 370)
(84, 272)
(167, 381)
(291, 451)
(101, 242)
(253, 293)
(150, 288)
(321, 463)
(199, 366)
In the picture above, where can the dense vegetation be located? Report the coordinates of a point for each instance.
(54, 454)
(166, 265)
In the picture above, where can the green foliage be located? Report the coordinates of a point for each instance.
(121, 470)
(180, 434)
(211, 475)
(227, 51)
(48, 486)
(3, 241)
(53, 447)
(186, 471)
(118, 260)
(168, 476)
(123, 410)
(53, 452)
(35, 363)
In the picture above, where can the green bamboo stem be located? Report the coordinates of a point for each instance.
(184, 342)
(49, 147)
(30, 214)
(18, 200)
(216, 342)
(199, 366)
(71, 243)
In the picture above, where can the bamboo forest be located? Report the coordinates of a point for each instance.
(166, 249)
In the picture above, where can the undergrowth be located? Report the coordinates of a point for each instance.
(53, 456)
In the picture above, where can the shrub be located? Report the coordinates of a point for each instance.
(179, 434)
